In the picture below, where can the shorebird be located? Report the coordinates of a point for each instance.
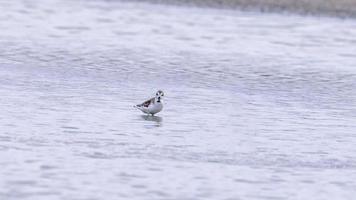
(153, 105)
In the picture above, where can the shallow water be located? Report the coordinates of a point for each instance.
(257, 106)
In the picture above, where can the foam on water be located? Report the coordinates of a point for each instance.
(256, 106)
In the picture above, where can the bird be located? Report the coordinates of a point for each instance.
(153, 105)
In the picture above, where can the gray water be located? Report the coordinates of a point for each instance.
(257, 106)
(335, 8)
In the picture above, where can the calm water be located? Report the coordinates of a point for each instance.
(257, 106)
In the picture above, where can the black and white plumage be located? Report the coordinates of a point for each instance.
(153, 105)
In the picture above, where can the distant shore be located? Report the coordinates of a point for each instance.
(338, 8)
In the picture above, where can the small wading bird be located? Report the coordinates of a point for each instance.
(153, 105)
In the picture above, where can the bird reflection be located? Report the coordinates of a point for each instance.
(150, 118)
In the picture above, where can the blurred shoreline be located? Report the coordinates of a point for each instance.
(332, 8)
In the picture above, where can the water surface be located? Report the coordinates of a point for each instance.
(257, 106)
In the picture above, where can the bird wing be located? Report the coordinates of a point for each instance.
(146, 103)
